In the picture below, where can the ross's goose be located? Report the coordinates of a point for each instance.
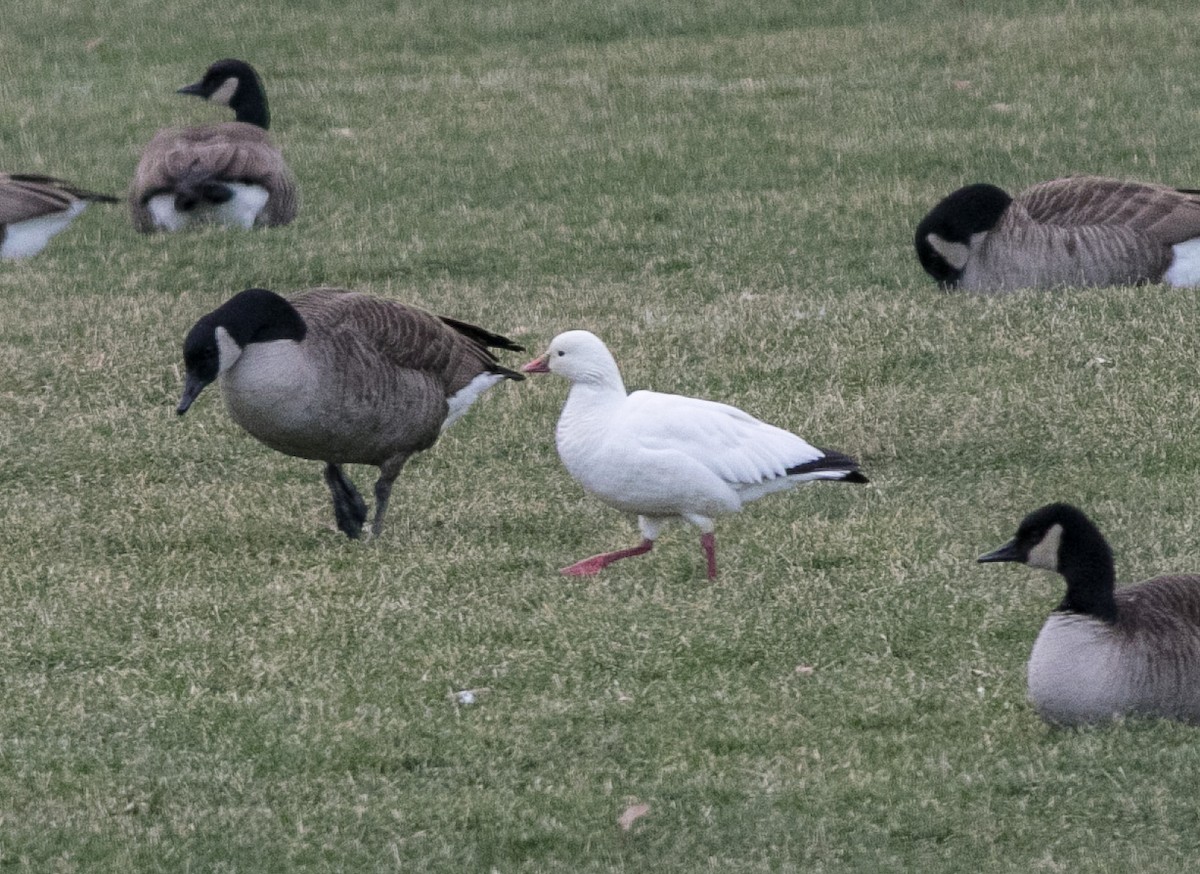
(665, 456)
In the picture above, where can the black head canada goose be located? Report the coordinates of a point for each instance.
(224, 173)
(341, 377)
(1104, 652)
(35, 208)
(1081, 231)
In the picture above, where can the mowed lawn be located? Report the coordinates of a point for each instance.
(198, 673)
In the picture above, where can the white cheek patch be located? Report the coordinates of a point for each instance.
(954, 254)
(225, 93)
(1045, 554)
(228, 351)
(1185, 264)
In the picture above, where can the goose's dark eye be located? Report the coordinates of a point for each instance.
(561, 353)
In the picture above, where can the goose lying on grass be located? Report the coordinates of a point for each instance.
(226, 173)
(666, 456)
(1081, 230)
(1105, 652)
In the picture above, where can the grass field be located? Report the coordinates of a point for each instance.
(199, 674)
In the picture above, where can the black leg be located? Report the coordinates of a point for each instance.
(349, 508)
(383, 489)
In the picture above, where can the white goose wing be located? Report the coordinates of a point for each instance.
(734, 445)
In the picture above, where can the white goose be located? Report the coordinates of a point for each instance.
(666, 456)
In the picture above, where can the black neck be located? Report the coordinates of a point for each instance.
(1087, 566)
(250, 104)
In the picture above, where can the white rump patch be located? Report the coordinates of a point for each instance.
(954, 254)
(1185, 264)
(239, 211)
(461, 400)
(22, 239)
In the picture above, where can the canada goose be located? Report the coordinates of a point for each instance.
(341, 377)
(226, 173)
(1106, 652)
(1081, 230)
(666, 456)
(35, 208)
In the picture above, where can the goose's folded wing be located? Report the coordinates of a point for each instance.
(231, 150)
(402, 336)
(729, 442)
(22, 198)
(1167, 214)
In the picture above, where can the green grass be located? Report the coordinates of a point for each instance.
(198, 673)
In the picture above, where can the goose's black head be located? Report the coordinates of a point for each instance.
(944, 236)
(1059, 537)
(235, 84)
(217, 339)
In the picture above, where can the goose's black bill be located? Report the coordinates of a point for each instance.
(1007, 552)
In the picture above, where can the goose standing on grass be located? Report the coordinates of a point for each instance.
(225, 173)
(1081, 230)
(666, 456)
(35, 208)
(1105, 652)
(343, 378)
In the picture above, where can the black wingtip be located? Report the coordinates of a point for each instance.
(854, 477)
(508, 374)
(482, 336)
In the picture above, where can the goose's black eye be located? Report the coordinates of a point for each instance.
(561, 353)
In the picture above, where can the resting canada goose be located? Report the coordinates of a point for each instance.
(666, 457)
(1082, 230)
(1106, 652)
(225, 173)
(343, 378)
(35, 208)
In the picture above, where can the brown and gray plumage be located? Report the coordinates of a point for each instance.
(1105, 652)
(225, 173)
(35, 208)
(341, 377)
(1081, 230)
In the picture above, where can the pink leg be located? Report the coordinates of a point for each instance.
(709, 542)
(597, 563)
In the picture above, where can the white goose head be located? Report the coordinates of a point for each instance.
(580, 357)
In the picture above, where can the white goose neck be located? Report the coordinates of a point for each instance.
(603, 389)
